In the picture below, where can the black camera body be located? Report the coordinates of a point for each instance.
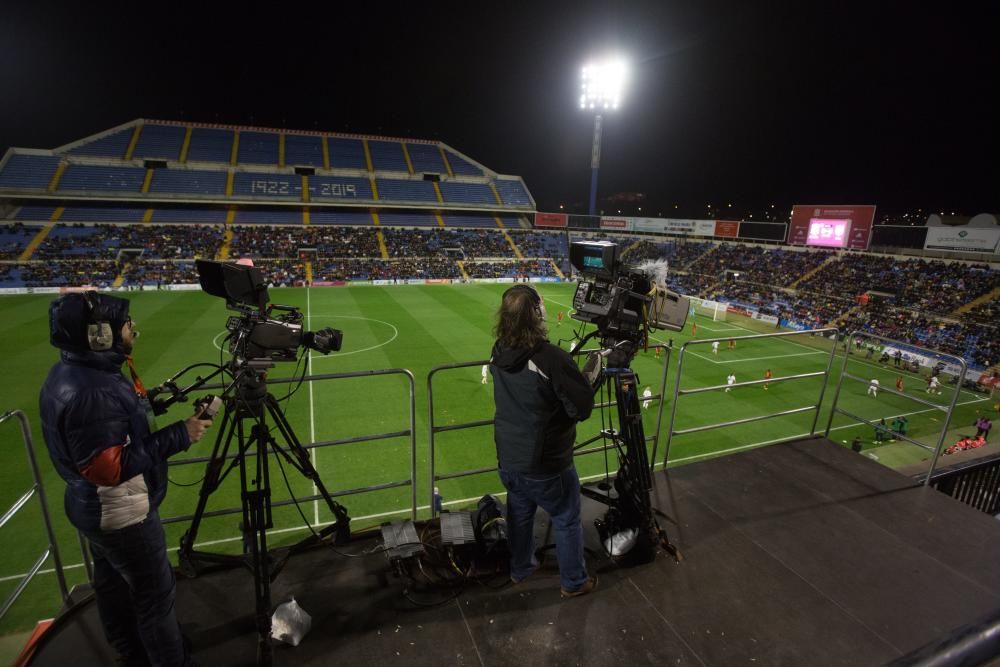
(261, 331)
(622, 301)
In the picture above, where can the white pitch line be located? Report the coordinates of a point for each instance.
(312, 408)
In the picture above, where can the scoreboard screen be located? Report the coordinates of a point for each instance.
(828, 233)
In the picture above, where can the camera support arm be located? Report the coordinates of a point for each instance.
(180, 394)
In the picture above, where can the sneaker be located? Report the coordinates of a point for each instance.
(587, 587)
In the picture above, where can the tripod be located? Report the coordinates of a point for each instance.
(245, 422)
(628, 498)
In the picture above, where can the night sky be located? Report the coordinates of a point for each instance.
(753, 103)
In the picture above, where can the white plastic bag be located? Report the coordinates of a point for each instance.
(290, 623)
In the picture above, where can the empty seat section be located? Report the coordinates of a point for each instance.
(188, 181)
(393, 219)
(403, 190)
(107, 179)
(102, 214)
(271, 186)
(426, 158)
(258, 148)
(467, 193)
(462, 167)
(161, 142)
(113, 145)
(210, 145)
(387, 156)
(346, 153)
(35, 212)
(327, 217)
(303, 149)
(340, 187)
(512, 193)
(29, 171)
(452, 220)
(206, 215)
(280, 216)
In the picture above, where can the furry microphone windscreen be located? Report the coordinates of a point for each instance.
(656, 270)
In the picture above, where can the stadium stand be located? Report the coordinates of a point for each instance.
(210, 145)
(99, 178)
(387, 156)
(304, 150)
(462, 167)
(114, 144)
(161, 142)
(404, 190)
(258, 148)
(346, 153)
(14, 238)
(334, 217)
(347, 188)
(426, 158)
(467, 193)
(28, 172)
(188, 181)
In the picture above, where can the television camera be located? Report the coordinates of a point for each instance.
(625, 303)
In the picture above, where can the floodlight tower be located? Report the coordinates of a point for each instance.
(601, 91)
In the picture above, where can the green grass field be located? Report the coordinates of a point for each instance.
(415, 328)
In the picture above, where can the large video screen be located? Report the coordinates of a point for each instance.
(828, 233)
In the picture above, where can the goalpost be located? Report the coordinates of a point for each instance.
(714, 309)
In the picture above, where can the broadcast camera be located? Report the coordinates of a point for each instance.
(625, 302)
(261, 331)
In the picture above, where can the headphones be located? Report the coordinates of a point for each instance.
(100, 335)
(536, 298)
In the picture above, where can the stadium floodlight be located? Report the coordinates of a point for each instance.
(601, 87)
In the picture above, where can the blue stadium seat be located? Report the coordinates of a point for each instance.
(393, 219)
(512, 193)
(270, 186)
(387, 156)
(258, 148)
(107, 179)
(470, 220)
(114, 145)
(323, 216)
(280, 216)
(426, 158)
(349, 188)
(346, 153)
(209, 144)
(467, 193)
(188, 181)
(28, 172)
(462, 167)
(404, 190)
(303, 149)
(160, 142)
(101, 214)
(32, 212)
(198, 215)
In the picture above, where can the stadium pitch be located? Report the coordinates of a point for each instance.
(416, 328)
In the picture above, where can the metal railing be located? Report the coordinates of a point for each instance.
(19, 504)
(580, 449)
(948, 410)
(678, 392)
(409, 432)
(975, 483)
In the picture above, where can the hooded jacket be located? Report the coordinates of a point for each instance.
(97, 429)
(540, 395)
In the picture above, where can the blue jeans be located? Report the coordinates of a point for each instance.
(135, 591)
(559, 495)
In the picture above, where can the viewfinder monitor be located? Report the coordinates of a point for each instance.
(828, 233)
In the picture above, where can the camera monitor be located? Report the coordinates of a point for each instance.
(594, 258)
(236, 283)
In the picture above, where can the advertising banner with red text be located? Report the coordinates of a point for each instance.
(729, 229)
(550, 219)
(618, 224)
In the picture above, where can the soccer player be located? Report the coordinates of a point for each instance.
(559, 318)
(899, 383)
(715, 347)
(732, 343)
(730, 380)
(873, 388)
(767, 376)
(694, 329)
(646, 396)
(658, 352)
(933, 384)
(486, 370)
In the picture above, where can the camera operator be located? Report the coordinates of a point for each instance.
(539, 394)
(97, 425)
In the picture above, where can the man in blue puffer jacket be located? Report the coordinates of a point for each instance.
(98, 428)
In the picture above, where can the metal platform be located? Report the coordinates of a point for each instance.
(801, 553)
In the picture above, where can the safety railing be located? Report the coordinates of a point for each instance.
(580, 449)
(409, 432)
(35, 490)
(947, 410)
(814, 408)
(975, 483)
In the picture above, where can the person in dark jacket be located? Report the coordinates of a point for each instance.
(98, 428)
(540, 395)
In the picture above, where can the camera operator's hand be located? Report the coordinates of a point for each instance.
(196, 427)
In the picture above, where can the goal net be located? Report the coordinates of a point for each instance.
(714, 309)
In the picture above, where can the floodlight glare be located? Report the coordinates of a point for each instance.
(602, 83)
